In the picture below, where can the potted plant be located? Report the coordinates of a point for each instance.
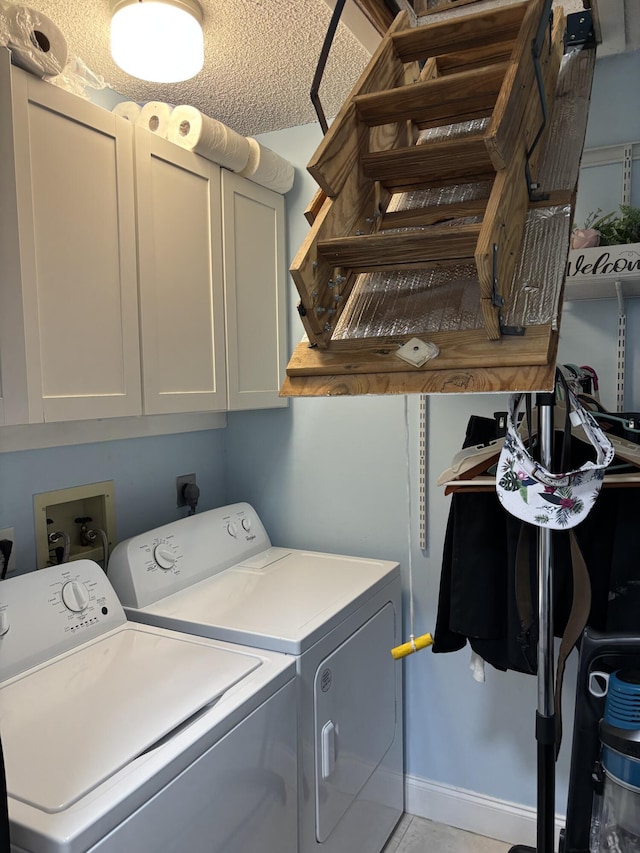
(612, 229)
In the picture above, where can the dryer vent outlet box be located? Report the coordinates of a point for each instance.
(59, 512)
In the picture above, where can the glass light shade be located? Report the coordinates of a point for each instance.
(157, 40)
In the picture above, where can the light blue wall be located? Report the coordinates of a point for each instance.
(614, 119)
(144, 472)
(332, 474)
(615, 97)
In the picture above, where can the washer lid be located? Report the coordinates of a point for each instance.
(70, 724)
(280, 599)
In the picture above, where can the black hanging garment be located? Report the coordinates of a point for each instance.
(478, 601)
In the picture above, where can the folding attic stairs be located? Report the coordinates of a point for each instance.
(459, 102)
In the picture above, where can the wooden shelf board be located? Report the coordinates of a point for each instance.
(469, 381)
(375, 369)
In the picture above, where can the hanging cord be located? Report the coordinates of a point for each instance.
(421, 642)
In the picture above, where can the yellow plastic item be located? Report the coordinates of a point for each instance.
(412, 646)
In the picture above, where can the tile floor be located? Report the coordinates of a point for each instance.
(417, 835)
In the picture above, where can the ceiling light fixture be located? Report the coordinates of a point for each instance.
(157, 40)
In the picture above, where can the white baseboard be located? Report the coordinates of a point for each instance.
(500, 819)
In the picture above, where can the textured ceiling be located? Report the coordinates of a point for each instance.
(260, 58)
(261, 55)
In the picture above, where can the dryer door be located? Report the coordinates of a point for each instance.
(355, 716)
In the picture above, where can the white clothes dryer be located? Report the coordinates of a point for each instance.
(216, 574)
(126, 737)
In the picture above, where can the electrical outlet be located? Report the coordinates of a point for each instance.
(181, 482)
(7, 533)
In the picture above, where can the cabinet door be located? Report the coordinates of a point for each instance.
(255, 280)
(73, 318)
(180, 268)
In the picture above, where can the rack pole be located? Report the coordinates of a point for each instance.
(545, 716)
(545, 713)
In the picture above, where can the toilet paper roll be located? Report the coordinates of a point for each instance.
(208, 137)
(154, 116)
(267, 168)
(128, 109)
(36, 43)
(254, 157)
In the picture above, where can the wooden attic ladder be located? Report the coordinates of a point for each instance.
(479, 66)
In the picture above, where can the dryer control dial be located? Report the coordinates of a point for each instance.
(164, 555)
(75, 596)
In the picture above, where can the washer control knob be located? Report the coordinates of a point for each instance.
(164, 556)
(232, 529)
(246, 523)
(75, 596)
(4, 622)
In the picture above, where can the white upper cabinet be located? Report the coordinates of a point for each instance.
(254, 267)
(180, 278)
(69, 314)
(135, 277)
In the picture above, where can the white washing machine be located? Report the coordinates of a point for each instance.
(126, 738)
(215, 574)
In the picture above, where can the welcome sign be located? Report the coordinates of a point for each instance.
(604, 262)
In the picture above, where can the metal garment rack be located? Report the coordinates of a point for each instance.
(545, 712)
